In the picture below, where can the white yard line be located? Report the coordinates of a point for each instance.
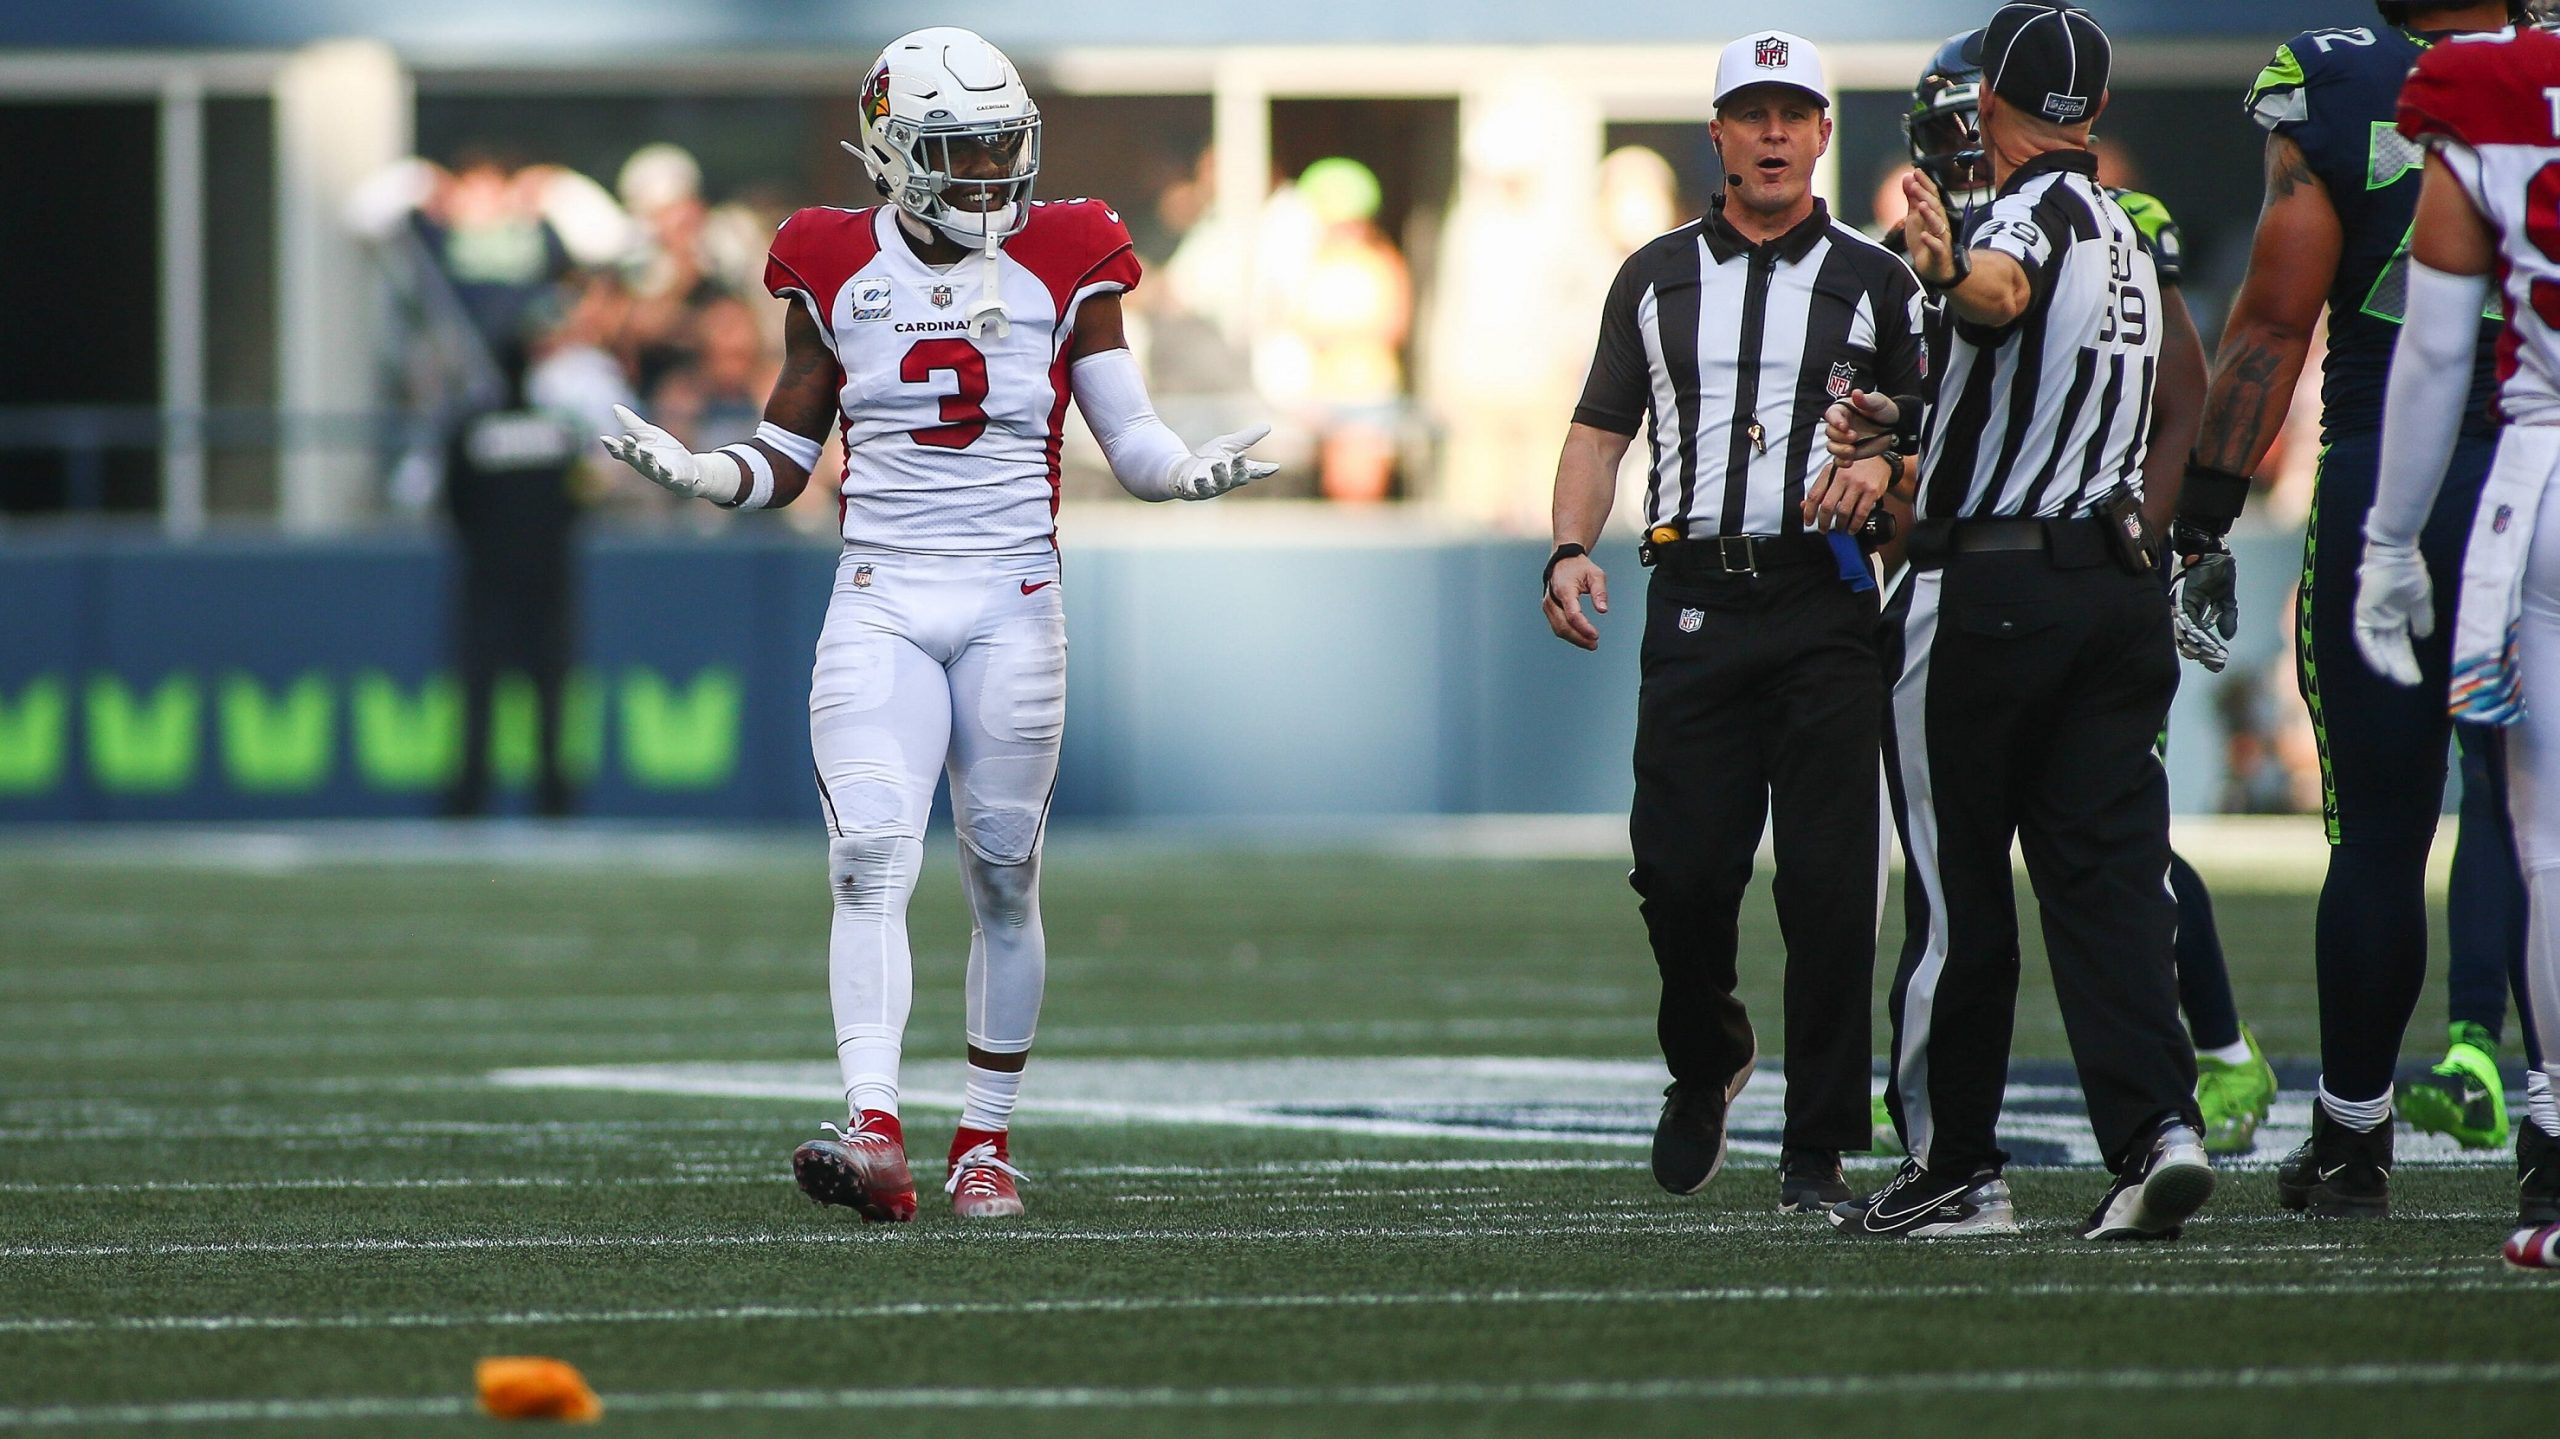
(1774, 1387)
(1546, 1223)
(2485, 1281)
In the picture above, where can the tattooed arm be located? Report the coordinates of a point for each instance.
(803, 402)
(2292, 262)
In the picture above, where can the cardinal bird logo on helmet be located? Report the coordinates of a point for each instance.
(875, 93)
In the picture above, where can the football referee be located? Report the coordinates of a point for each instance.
(2033, 666)
(1763, 686)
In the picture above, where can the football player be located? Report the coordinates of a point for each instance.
(2342, 187)
(942, 334)
(2489, 206)
(2235, 1087)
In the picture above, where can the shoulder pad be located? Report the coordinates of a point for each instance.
(1073, 245)
(2490, 89)
(2277, 97)
(2157, 232)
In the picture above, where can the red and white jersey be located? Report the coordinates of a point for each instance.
(950, 442)
(2489, 106)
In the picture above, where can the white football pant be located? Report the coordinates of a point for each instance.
(934, 664)
(2533, 786)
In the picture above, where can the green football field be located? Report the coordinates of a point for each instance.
(293, 1128)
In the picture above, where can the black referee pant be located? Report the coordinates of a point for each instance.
(1763, 694)
(2029, 687)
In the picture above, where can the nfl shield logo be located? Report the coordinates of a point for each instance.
(862, 577)
(1844, 378)
(1770, 54)
(1690, 620)
(941, 297)
(2498, 522)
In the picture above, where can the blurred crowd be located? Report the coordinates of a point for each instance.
(522, 283)
(1443, 375)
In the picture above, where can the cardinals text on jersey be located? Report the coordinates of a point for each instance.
(2489, 105)
(950, 440)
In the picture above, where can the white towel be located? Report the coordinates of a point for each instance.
(2485, 687)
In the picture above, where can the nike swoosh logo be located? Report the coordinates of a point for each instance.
(1029, 588)
(2473, 1094)
(2328, 1174)
(1877, 1214)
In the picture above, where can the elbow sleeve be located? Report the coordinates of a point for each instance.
(1146, 456)
(2423, 408)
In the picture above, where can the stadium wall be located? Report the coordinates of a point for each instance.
(248, 680)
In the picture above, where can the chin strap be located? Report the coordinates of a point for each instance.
(986, 313)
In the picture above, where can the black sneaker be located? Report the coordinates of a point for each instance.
(2537, 1177)
(1920, 1205)
(2156, 1195)
(1809, 1181)
(2338, 1173)
(1688, 1143)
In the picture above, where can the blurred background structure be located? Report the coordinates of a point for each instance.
(270, 263)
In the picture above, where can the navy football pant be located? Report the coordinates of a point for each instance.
(2382, 771)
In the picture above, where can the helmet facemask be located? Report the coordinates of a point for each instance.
(1945, 139)
(971, 182)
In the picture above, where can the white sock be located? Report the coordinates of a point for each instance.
(2360, 1115)
(2542, 1101)
(2236, 1052)
(986, 1100)
(870, 1067)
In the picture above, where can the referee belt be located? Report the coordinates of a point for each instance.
(2072, 542)
(1709, 556)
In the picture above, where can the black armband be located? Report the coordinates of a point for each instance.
(1563, 553)
(2211, 499)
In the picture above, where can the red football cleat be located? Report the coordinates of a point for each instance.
(865, 1170)
(2537, 1249)
(981, 1182)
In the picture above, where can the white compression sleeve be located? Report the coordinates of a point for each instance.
(1146, 456)
(2422, 411)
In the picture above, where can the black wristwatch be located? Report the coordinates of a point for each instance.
(1563, 553)
(1964, 269)
(1900, 466)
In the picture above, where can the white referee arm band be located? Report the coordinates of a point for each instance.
(2424, 404)
(759, 490)
(1146, 456)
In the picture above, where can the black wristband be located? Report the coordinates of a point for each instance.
(1563, 553)
(1906, 422)
(2211, 499)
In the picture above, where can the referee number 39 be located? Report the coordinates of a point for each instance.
(2128, 319)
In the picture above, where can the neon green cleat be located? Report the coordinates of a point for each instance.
(1888, 1140)
(2463, 1096)
(2234, 1098)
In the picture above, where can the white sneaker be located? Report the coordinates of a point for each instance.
(2155, 1199)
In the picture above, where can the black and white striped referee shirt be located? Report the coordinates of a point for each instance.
(2043, 415)
(1733, 350)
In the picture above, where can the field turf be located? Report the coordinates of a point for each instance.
(255, 1176)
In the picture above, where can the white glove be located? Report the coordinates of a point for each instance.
(2394, 601)
(1221, 465)
(663, 460)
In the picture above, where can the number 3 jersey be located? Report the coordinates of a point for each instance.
(2489, 106)
(950, 441)
(2333, 93)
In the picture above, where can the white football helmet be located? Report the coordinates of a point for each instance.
(950, 135)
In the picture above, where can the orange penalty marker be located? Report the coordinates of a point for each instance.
(528, 1387)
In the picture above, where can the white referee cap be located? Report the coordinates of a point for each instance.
(1772, 57)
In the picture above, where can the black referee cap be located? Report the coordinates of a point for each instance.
(2049, 60)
